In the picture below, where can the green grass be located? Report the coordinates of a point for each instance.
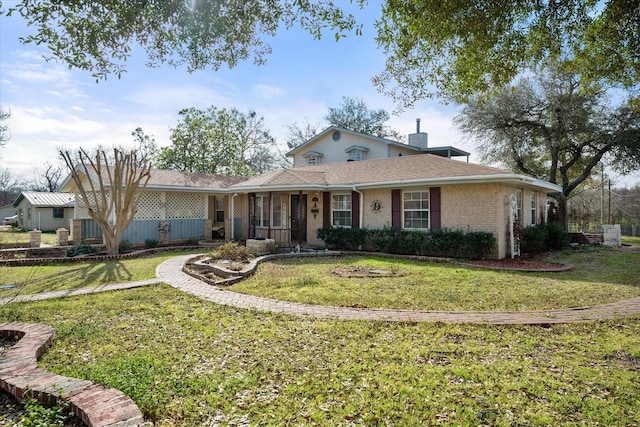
(187, 362)
(11, 235)
(631, 240)
(599, 276)
(63, 276)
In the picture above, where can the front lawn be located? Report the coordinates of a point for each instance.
(12, 235)
(187, 362)
(64, 275)
(600, 275)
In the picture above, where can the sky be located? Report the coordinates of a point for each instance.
(52, 106)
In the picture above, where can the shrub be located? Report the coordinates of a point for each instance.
(557, 236)
(342, 237)
(479, 244)
(151, 243)
(81, 249)
(231, 251)
(442, 242)
(544, 237)
(125, 246)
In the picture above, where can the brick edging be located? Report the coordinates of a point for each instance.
(96, 405)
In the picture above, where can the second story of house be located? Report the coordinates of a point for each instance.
(336, 144)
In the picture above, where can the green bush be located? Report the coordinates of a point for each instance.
(544, 237)
(81, 249)
(442, 242)
(151, 243)
(231, 251)
(557, 236)
(342, 237)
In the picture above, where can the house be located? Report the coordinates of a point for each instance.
(174, 206)
(340, 178)
(336, 144)
(43, 211)
(416, 192)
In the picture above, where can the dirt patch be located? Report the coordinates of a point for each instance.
(355, 271)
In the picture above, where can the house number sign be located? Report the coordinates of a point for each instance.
(376, 206)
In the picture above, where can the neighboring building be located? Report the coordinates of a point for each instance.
(44, 211)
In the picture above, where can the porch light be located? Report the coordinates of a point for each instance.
(314, 210)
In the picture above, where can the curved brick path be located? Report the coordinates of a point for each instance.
(171, 272)
(96, 405)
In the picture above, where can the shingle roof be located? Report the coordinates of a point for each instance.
(176, 180)
(169, 178)
(42, 199)
(410, 169)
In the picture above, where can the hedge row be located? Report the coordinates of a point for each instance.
(444, 242)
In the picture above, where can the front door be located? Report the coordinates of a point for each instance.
(298, 218)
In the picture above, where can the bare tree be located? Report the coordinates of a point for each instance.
(110, 191)
(47, 179)
(4, 128)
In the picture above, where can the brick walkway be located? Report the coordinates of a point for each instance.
(171, 272)
(96, 405)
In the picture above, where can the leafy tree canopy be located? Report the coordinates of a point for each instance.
(220, 141)
(455, 49)
(100, 36)
(354, 114)
(553, 127)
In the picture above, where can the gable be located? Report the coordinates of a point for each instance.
(335, 144)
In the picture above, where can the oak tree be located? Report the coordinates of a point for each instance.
(458, 49)
(552, 127)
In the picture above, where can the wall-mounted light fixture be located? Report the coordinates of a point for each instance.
(314, 210)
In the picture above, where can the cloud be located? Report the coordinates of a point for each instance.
(266, 91)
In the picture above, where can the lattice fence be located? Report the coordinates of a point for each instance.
(150, 205)
(82, 210)
(185, 205)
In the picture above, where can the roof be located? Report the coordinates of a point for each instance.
(43, 199)
(423, 169)
(161, 179)
(341, 129)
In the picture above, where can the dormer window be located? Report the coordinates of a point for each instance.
(356, 153)
(312, 157)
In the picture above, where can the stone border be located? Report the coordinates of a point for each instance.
(96, 405)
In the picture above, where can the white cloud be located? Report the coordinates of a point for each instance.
(265, 91)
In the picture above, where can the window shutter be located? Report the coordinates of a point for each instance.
(355, 209)
(396, 210)
(434, 207)
(326, 209)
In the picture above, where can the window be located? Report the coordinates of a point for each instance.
(219, 209)
(58, 213)
(261, 215)
(312, 160)
(415, 208)
(534, 207)
(276, 211)
(341, 210)
(356, 155)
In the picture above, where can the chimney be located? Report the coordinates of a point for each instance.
(417, 125)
